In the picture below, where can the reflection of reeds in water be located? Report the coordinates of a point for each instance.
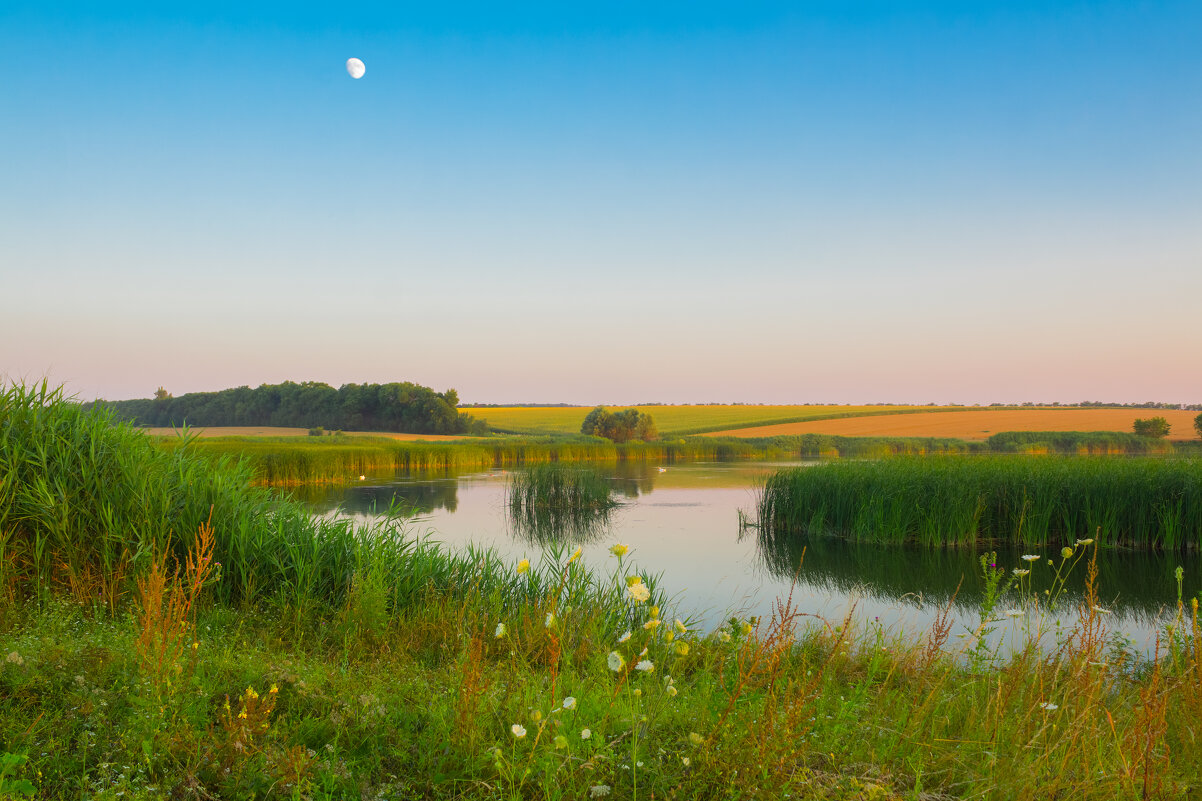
(558, 501)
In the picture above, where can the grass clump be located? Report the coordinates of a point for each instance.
(558, 501)
(1026, 500)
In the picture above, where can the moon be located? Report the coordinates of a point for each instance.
(355, 68)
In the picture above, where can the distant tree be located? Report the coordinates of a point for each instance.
(1198, 425)
(619, 426)
(161, 394)
(1156, 427)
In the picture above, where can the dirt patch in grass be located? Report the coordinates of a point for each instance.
(977, 423)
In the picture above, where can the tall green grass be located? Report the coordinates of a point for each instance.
(558, 501)
(935, 501)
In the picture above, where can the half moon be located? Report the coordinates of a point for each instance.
(355, 68)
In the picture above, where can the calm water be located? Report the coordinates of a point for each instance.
(684, 523)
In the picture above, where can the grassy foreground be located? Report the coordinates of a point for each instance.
(146, 652)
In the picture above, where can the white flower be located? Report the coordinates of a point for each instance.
(724, 635)
(638, 592)
(598, 790)
(550, 621)
(1015, 613)
(1030, 557)
(624, 637)
(1100, 610)
(569, 703)
(616, 662)
(681, 627)
(645, 666)
(684, 761)
(1021, 571)
(1049, 706)
(672, 690)
(519, 731)
(501, 631)
(586, 733)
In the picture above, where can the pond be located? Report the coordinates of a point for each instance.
(682, 521)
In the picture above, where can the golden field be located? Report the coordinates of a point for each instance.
(670, 420)
(976, 423)
(271, 431)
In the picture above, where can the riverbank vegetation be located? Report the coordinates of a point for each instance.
(168, 629)
(1028, 500)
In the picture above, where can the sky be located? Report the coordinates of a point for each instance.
(954, 202)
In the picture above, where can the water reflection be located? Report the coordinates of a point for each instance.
(1136, 583)
(416, 497)
(543, 527)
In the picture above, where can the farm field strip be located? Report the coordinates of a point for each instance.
(975, 424)
(281, 431)
(670, 420)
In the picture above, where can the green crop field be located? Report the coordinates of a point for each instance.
(670, 420)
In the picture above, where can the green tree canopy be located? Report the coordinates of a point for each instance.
(1157, 427)
(619, 426)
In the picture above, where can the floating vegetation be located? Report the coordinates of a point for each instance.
(1030, 500)
(558, 501)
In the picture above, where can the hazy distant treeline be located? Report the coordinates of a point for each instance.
(404, 407)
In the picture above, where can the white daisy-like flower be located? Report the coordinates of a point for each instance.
(638, 592)
(645, 666)
(624, 637)
(586, 733)
(615, 661)
(501, 631)
(1030, 557)
(519, 731)
(1021, 571)
(681, 627)
(1049, 706)
(569, 703)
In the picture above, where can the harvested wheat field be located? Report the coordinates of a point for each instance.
(977, 423)
(270, 431)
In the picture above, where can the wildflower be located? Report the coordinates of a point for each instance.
(598, 790)
(586, 733)
(724, 635)
(1030, 557)
(651, 625)
(681, 627)
(575, 555)
(747, 628)
(242, 714)
(1066, 552)
(536, 716)
(569, 703)
(274, 688)
(501, 631)
(250, 693)
(195, 646)
(632, 580)
(671, 691)
(645, 666)
(682, 647)
(550, 621)
(684, 761)
(695, 738)
(616, 662)
(1100, 610)
(1050, 563)
(519, 731)
(561, 741)
(619, 550)
(654, 612)
(638, 592)
(669, 635)
(638, 693)
(1085, 542)
(1015, 612)
(1048, 706)
(1021, 571)
(524, 566)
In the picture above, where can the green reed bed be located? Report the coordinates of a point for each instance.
(1083, 443)
(1028, 500)
(326, 660)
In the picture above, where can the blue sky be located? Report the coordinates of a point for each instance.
(839, 202)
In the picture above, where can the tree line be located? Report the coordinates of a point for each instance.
(401, 407)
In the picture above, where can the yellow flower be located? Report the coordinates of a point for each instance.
(671, 690)
(653, 611)
(242, 714)
(274, 688)
(681, 627)
(1065, 553)
(695, 738)
(669, 635)
(632, 580)
(747, 628)
(250, 693)
(575, 555)
(524, 566)
(682, 647)
(536, 716)
(651, 625)
(619, 550)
